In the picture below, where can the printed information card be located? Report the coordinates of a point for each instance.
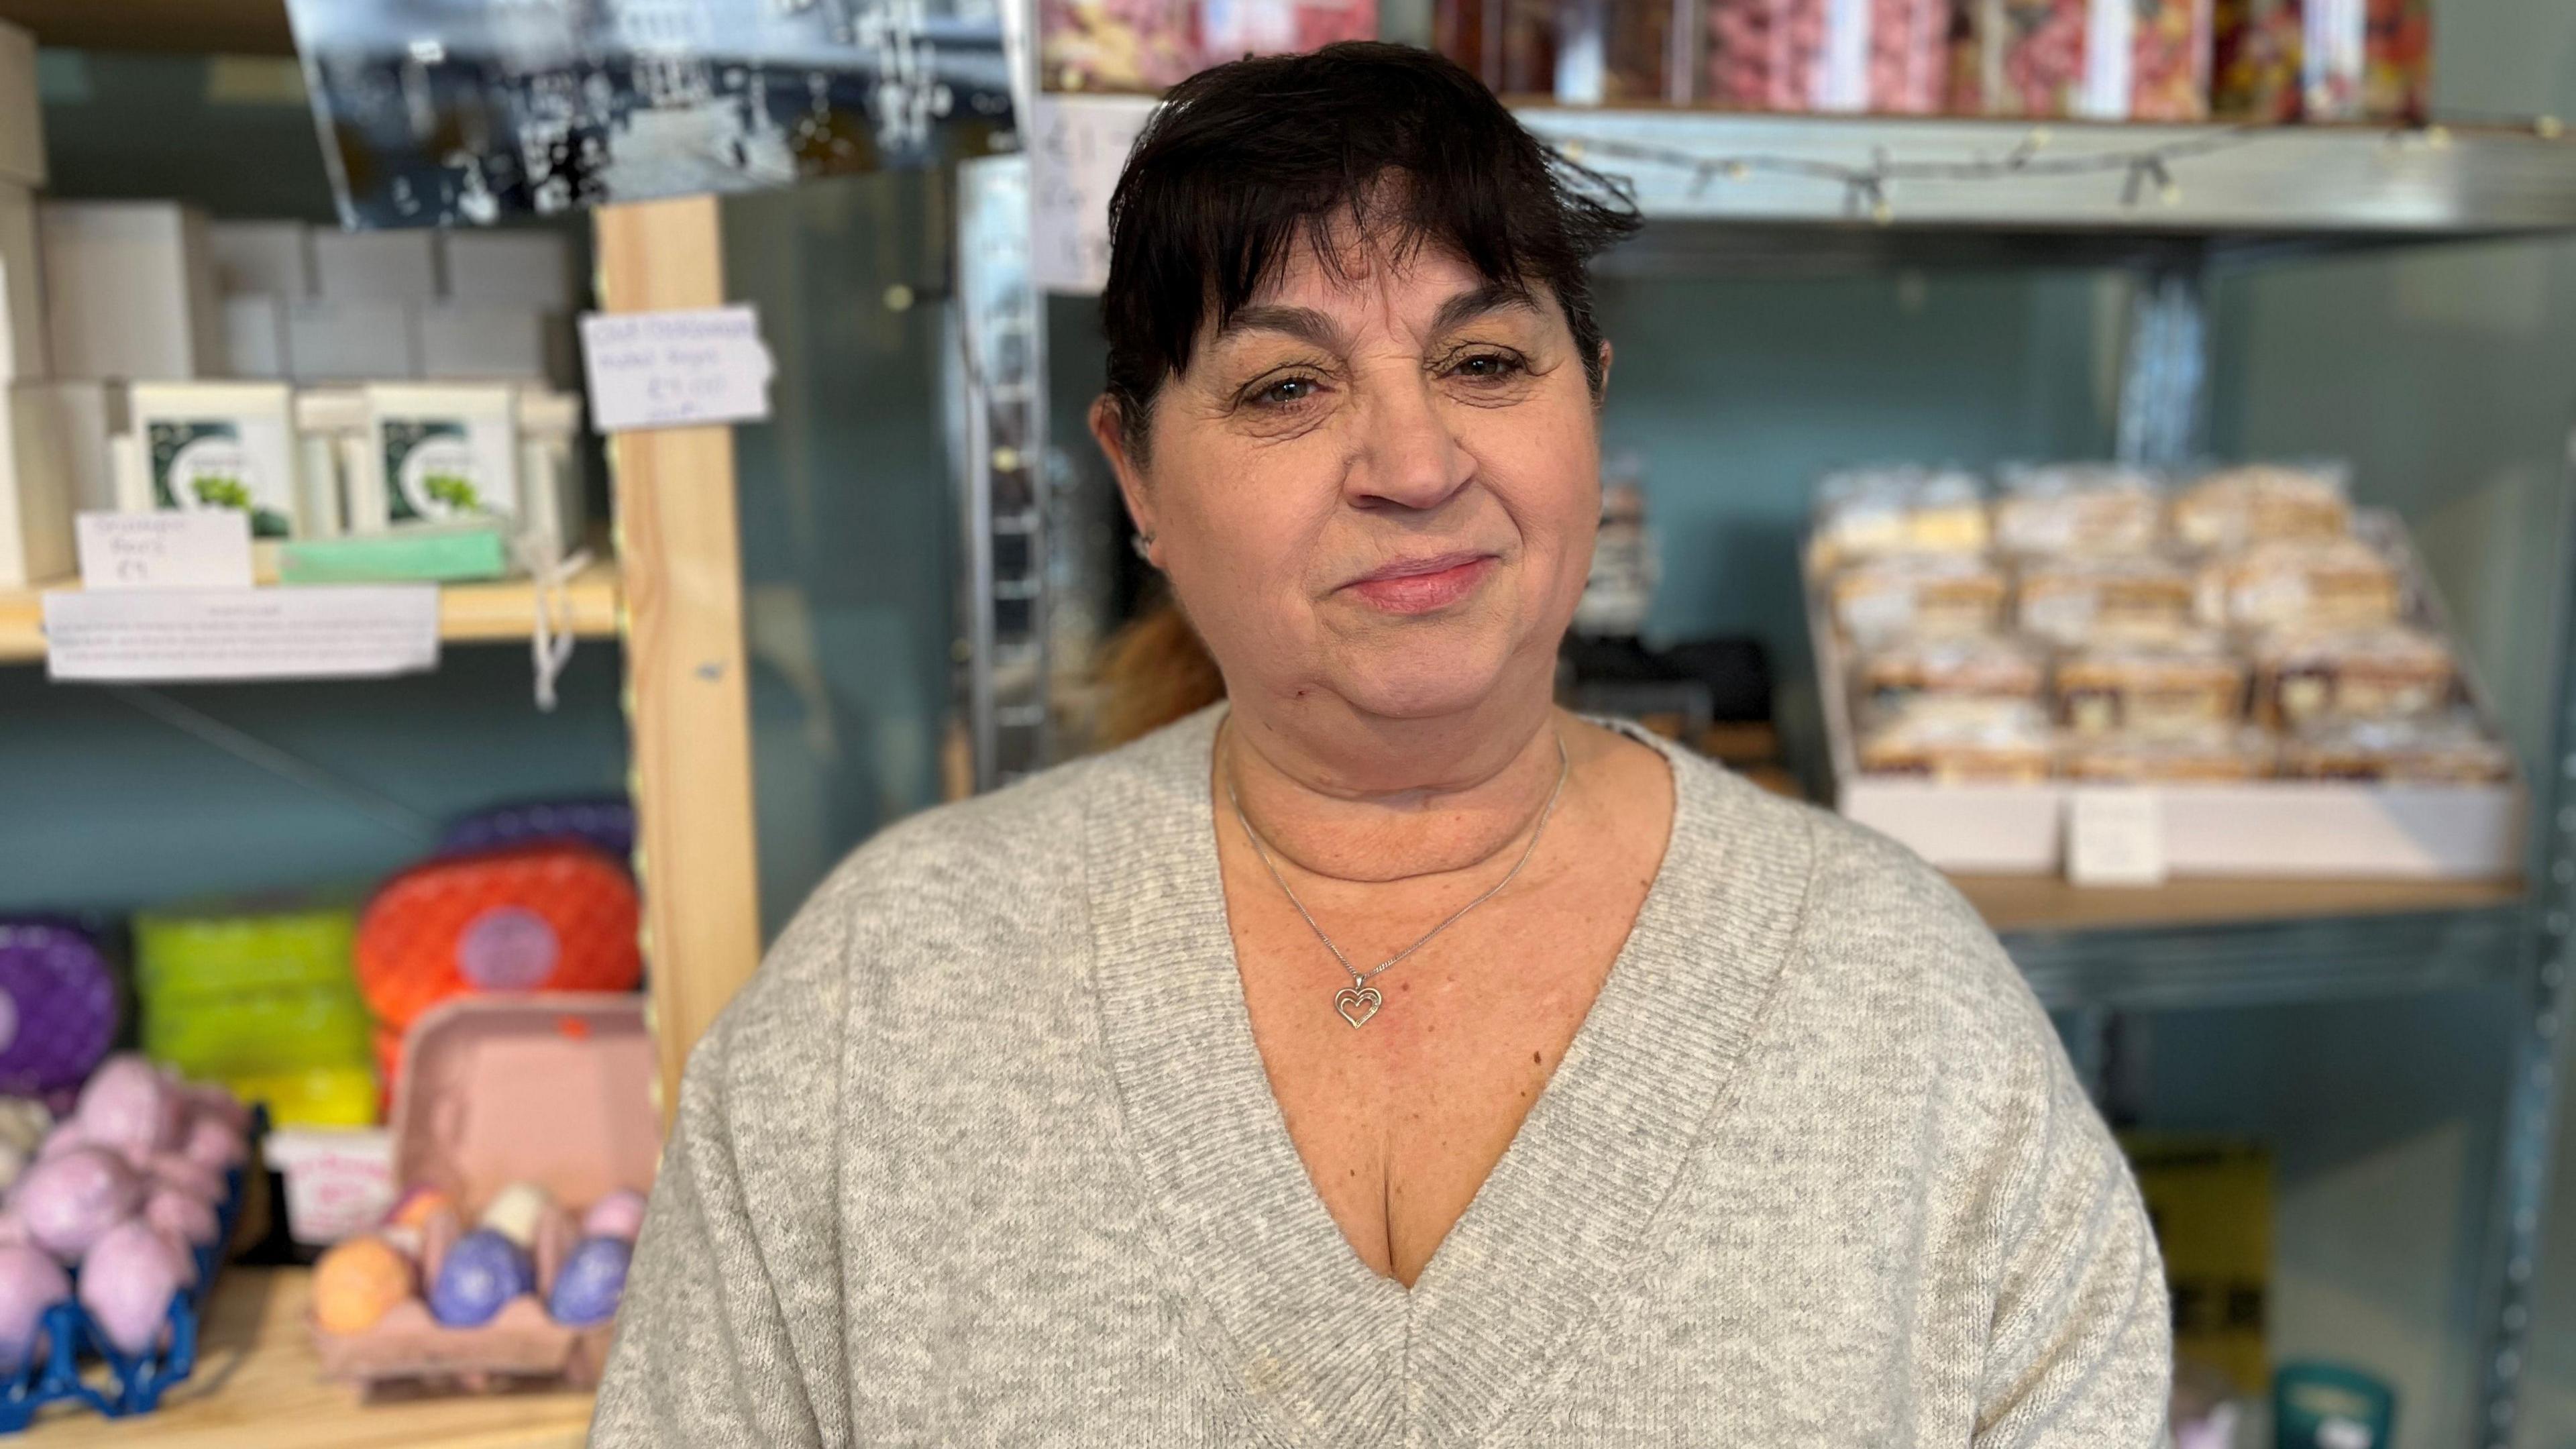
(152, 636)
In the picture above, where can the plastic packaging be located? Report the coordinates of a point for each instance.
(2216, 755)
(2229, 508)
(256, 993)
(1984, 666)
(1917, 594)
(2324, 60)
(2176, 687)
(1954, 741)
(2078, 600)
(1871, 512)
(2107, 60)
(60, 1004)
(2448, 749)
(2307, 675)
(2301, 583)
(1887, 57)
(2077, 508)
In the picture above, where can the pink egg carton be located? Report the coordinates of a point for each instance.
(550, 1089)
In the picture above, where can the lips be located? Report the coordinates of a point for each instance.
(1419, 586)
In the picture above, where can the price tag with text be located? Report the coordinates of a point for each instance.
(204, 548)
(675, 369)
(2115, 837)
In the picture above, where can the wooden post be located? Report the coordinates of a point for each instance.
(687, 702)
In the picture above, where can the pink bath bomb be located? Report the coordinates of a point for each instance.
(127, 1282)
(30, 1283)
(69, 1201)
(169, 1169)
(182, 1215)
(210, 1142)
(128, 1104)
(212, 1101)
(65, 1136)
(618, 1215)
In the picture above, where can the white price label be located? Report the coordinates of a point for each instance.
(1078, 147)
(675, 369)
(206, 548)
(2115, 837)
(138, 636)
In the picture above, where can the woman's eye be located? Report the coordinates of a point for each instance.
(1486, 366)
(1285, 391)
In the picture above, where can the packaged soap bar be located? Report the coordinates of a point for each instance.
(2289, 582)
(1867, 512)
(435, 454)
(1923, 594)
(2325, 60)
(2110, 60)
(2187, 684)
(1883, 56)
(2077, 508)
(1982, 665)
(2076, 599)
(2229, 508)
(2306, 675)
(1953, 741)
(219, 445)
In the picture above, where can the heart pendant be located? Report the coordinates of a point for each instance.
(1356, 1004)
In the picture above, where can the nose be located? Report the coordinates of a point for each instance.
(1409, 456)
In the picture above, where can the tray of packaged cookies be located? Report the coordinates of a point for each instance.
(2240, 639)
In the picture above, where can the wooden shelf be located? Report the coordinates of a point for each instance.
(467, 613)
(259, 1386)
(2022, 904)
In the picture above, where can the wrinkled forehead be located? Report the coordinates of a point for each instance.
(1358, 269)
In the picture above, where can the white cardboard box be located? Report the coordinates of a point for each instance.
(467, 340)
(129, 291)
(22, 113)
(376, 266)
(22, 288)
(255, 336)
(87, 418)
(2312, 828)
(529, 269)
(35, 492)
(275, 257)
(351, 341)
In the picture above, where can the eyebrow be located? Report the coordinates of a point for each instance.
(1317, 330)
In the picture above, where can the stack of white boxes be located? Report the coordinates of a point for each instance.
(220, 330)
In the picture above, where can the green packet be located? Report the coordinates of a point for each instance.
(436, 554)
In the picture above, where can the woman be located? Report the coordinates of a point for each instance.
(1383, 1056)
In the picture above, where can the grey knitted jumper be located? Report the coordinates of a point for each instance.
(985, 1155)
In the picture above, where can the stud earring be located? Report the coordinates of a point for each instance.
(1143, 543)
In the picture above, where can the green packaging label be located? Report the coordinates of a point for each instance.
(443, 468)
(224, 463)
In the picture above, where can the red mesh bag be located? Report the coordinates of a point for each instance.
(554, 917)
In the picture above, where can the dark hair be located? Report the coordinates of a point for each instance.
(1246, 159)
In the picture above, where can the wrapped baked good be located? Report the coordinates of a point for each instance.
(2074, 599)
(1979, 665)
(2108, 60)
(2216, 755)
(2081, 508)
(1870, 512)
(2443, 749)
(2233, 507)
(1882, 56)
(2301, 583)
(1956, 740)
(1881, 599)
(2304, 675)
(2155, 686)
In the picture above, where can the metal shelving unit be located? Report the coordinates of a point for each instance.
(1787, 195)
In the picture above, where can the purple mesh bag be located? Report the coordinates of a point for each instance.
(57, 1007)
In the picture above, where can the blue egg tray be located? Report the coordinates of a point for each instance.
(120, 1385)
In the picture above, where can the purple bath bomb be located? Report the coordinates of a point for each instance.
(30, 1283)
(130, 1106)
(127, 1282)
(482, 1272)
(592, 1280)
(69, 1201)
(618, 1215)
(182, 1215)
(57, 1006)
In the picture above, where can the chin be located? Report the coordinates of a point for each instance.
(1421, 680)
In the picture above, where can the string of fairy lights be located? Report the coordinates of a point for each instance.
(1868, 190)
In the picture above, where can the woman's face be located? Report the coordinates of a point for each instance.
(1381, 484)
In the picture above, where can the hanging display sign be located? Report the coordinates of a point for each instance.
(676, 369)
(467, 112)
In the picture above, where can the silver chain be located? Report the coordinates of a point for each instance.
(1358, 1002)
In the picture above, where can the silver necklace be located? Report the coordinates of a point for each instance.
(1359, 1001)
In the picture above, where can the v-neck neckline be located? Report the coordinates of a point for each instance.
(1344, 1355)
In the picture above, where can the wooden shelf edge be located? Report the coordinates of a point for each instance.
(467, 613)
(2022, 904)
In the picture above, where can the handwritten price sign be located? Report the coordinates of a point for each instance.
(676, 369)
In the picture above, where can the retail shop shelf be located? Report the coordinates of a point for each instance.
(258, 1385)
(467, 613)
(1820, 193)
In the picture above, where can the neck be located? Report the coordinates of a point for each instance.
(1358, 798)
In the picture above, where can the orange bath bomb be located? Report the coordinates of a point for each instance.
(358, 1282)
